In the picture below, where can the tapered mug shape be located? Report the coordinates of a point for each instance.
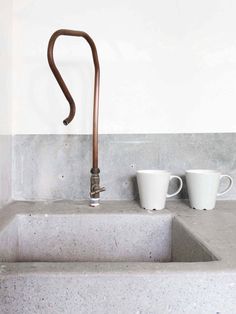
(153, 187)
(203, 187)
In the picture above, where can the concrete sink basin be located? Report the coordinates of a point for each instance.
(66, 257)
(100, 237)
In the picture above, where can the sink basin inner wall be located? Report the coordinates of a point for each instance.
(154, 237)
(88, 238)
(186, 248)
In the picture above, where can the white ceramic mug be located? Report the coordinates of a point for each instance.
(203, 187)
(153, 186)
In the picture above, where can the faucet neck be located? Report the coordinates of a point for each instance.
(95, 180)
(65, 90)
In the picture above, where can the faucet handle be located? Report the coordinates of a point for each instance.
(99, 190)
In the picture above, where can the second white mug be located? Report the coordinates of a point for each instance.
(153, 186)
(203, 187)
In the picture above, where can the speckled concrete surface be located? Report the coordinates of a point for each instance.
(99, 237)
(58, 166)
(87, 238)
(5, 168)
(128, 287)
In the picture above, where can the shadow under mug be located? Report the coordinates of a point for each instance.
(153, 187)
(203, 186)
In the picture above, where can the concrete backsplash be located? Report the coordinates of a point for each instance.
(5, 169)
(58, 166)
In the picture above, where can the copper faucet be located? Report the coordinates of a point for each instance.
(95, 188)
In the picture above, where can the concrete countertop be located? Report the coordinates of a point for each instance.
(216, 229)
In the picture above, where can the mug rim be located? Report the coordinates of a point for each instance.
(202, 171)
(152, 171)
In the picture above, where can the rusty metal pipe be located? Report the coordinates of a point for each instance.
(94, 186)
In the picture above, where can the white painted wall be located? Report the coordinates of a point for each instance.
(5, 66)
(5, 100)
(166, 66)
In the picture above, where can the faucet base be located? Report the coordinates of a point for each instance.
(95, 188)
(94, 202)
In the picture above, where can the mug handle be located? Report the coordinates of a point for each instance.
(229, 186)
(180, 187)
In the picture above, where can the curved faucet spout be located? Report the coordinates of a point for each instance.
(94, 186)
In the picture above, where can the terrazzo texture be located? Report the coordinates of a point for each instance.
(134, 287)
(58, 166)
